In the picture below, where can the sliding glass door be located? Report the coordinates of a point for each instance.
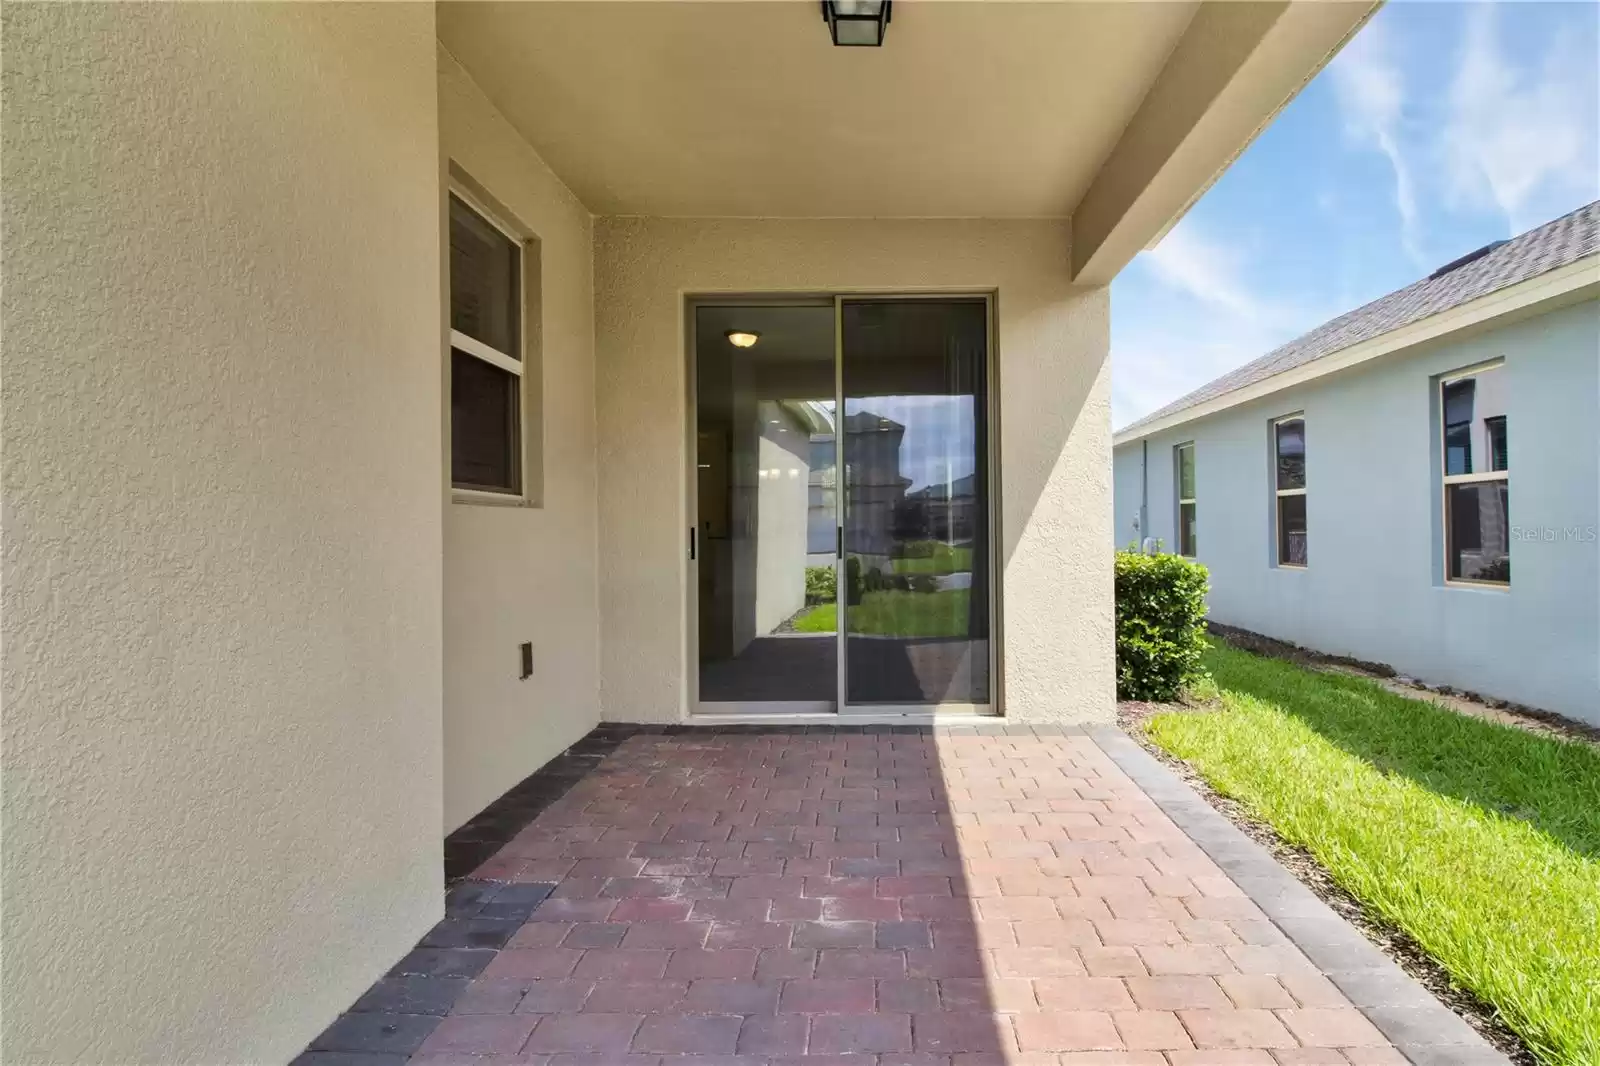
(915, 503)
(841, 547)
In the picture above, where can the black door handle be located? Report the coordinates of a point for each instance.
(691, 543)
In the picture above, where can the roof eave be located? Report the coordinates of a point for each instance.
(1568, 284)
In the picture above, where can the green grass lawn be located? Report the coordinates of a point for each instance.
(896, 613)
(1480, 840)
(944, 560)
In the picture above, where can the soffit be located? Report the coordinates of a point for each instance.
(971, 109)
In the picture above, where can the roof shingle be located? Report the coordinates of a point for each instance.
(1555, 244)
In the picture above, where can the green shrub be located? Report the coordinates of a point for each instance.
(1161, 606)
(821, 585)
(852, 580)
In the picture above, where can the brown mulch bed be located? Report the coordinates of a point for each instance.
(1392, 941)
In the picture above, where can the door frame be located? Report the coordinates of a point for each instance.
(839, 706)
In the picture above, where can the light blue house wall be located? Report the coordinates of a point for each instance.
(1374, 585)
(1127, 492)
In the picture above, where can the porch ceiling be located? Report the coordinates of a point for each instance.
(746, 108)
(971, 109)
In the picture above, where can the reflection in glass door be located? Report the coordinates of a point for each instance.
(913, 435)
(766, 532)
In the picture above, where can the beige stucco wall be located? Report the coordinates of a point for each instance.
(782, 503)
(514, 574)
(221, 534)
(1055, 502)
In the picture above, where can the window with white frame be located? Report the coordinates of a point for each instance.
(1183, 461)
(1477, 476)
(1289, 489)
(486, 393)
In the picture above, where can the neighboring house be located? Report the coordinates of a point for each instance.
(1415, 483)
(876, 484)
(347, 370)
(946, 511)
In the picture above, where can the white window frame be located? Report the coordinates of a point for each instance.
(1447, 479)
(1177, 477)
(1278, 494)
(494, 357)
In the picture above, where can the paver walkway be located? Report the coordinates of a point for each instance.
(925, 898)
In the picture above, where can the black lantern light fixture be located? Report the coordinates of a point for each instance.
(857, 23)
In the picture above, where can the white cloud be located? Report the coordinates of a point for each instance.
(1368, 84)
(1217, 272)
(1514, 136)
(1503, 119)
(1201, 317)
(1207, 270)
(1154, 367)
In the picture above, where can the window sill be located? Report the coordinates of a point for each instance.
(1476, 586)
(1300, 567)
(470, 498)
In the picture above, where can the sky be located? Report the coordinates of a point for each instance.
(1439, 128)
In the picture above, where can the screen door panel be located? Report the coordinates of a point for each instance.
(766, 522)
(914, 485)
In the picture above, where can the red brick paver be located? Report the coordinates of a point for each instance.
(789, 899)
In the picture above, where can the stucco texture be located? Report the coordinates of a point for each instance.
(1373, 587)
(1053, 379)
(514, 574)
(221, 533)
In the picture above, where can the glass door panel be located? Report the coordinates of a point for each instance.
(767, 523)
(914, 455)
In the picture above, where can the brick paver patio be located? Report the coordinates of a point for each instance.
(926, 898)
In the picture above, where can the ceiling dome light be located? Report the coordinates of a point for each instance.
(857, 23)
(741, 338)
